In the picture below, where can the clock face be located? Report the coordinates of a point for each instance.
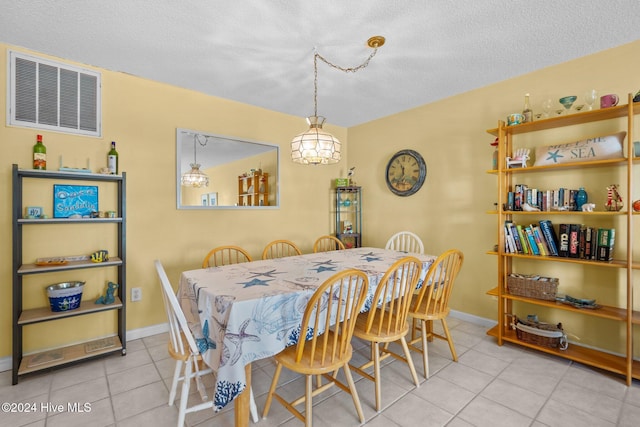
(406, 172)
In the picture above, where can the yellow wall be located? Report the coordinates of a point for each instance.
(142, 117)
(449, 211)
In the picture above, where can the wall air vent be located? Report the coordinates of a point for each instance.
(49, 95)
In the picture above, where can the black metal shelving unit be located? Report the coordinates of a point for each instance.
(24, 364)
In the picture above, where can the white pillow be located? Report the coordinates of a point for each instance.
(599, 148)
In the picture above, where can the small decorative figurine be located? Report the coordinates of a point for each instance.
(350, 175)
(108, 297)
(519, 158)
(614, 200)
(588, 207)
(100, 256)
(528, 208)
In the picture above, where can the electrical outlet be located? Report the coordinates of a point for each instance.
(136, 294)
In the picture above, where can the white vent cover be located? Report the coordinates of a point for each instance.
(53, 96)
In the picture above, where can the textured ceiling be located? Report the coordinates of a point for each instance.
(260, 52)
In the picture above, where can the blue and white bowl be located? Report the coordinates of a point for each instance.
(65, 296)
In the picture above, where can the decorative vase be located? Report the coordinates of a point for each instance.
(581, 198)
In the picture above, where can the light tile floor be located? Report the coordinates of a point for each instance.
(489, 386)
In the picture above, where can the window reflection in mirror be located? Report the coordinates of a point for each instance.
(242, 174)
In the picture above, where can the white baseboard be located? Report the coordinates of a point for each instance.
(147, 332)
(5, 362)
(476, 320)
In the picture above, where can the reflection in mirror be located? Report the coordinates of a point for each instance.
(241, 174)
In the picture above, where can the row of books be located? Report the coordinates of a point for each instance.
(545, 200)
(571, 240)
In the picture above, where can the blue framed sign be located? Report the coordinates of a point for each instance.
(72, 200)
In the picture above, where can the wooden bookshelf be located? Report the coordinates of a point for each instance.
(624, 168)
(588, 356)
(604, 311)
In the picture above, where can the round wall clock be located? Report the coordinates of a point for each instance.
(406, 172)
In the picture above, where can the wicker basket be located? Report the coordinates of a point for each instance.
(533, 286)
(542, 334)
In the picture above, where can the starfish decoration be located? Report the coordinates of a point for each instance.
(371, 257)
(204, 344)
(321, 268)
(329, 262)
(238, 339)
(255, 282)
(266, 274)
(221, 326)
(554, 156)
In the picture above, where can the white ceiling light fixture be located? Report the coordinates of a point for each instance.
(316, 146)
(195, 177)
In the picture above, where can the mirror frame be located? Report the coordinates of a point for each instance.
(276, 185)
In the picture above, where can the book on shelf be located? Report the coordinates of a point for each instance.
(563, 240)
(516, 238)
(512, 241)
(532, 241)
(589, 243)
(508, 246)
(523, 240)
(606, 240)
(556, 199)
(542, 244)
(572, 199)
(550, 236)
(546, 200)
(582, 242)
(574, 240)
(533, 197)
(517, 197)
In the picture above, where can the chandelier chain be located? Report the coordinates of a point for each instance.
(337, 67)
(348, 69)
(202, 144)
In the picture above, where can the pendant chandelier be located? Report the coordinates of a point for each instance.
(316, 146)
(195, 177)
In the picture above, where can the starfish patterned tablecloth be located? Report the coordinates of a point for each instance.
(250, 311)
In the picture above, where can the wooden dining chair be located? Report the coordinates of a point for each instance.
(280, 249)
(405, 241)
(327, 243)
(386, 320)
(224, 255)
(327, 323)
(184, 350)
(432, 303)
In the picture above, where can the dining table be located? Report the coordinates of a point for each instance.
(240, 313)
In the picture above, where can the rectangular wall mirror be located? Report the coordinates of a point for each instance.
(241, 174)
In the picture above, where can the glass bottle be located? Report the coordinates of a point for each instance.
(112, 159)
(39, 154)
(581, 198)
(495, 155)
(526, 111)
